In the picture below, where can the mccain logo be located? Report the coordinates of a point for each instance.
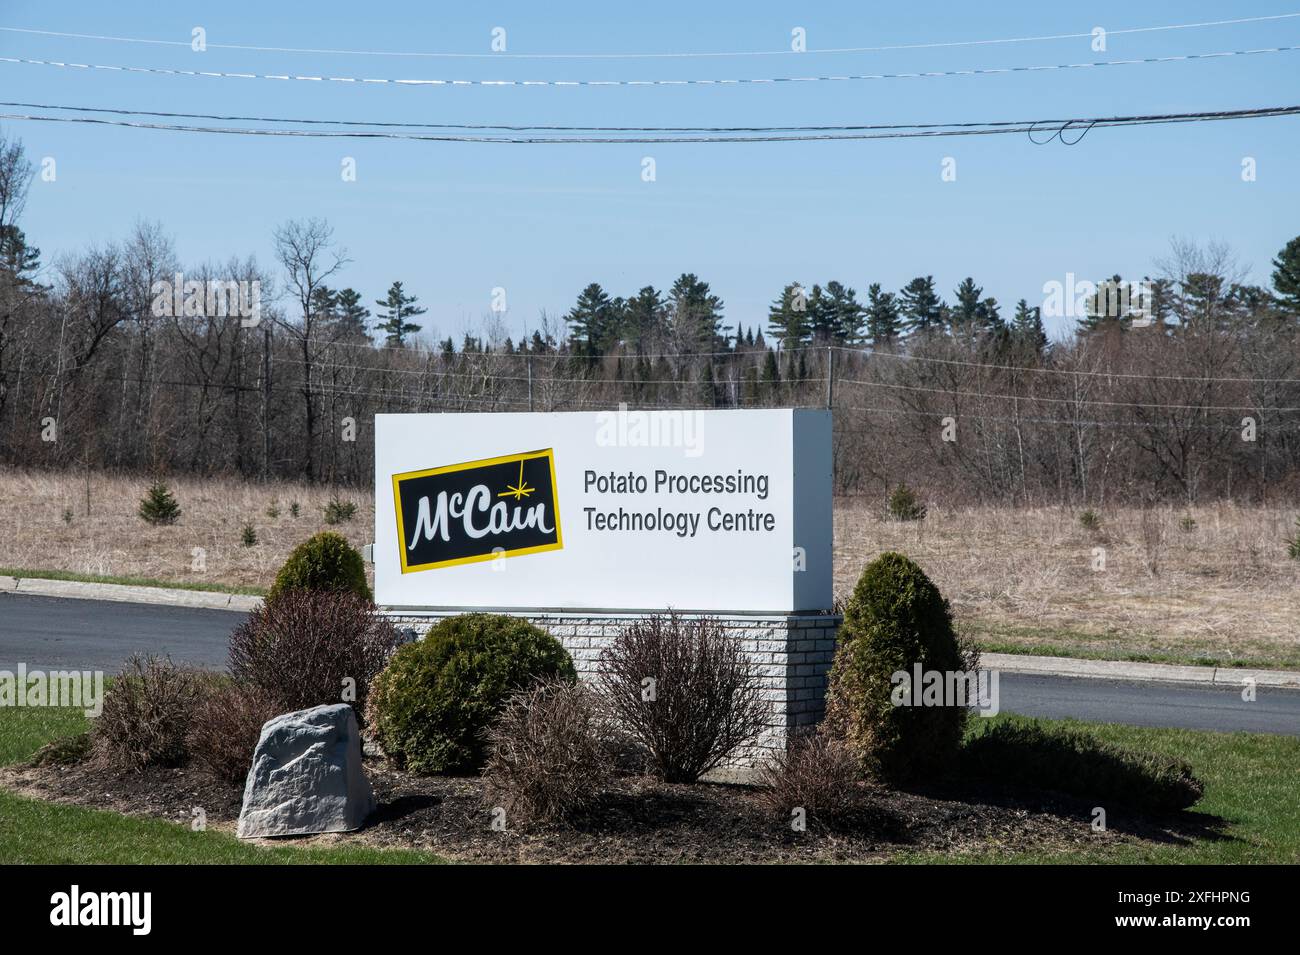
(479, 510)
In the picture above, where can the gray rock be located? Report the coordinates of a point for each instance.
(306, 776)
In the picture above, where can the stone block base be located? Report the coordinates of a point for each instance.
(792, 652)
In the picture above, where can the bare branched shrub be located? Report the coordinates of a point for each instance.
(685, 690)
(147, 713)
(225, 728)
(815, 773)
(307, 648)
(548, 754)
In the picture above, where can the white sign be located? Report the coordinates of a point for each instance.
(715, 511)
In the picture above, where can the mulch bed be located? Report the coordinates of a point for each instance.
(638, 820)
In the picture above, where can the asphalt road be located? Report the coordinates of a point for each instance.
(57, 633)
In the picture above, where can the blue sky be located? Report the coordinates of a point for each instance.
(455, 220)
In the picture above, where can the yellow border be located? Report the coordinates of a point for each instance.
(548, 453)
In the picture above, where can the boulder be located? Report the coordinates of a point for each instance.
(306, 776)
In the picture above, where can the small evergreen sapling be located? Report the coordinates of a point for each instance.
(159, 506)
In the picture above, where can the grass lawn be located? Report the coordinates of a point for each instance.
(33, 831)
(1251, 781)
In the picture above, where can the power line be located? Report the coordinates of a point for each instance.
(1065, 121)
(741, 81)
(1060, 371)
(1100, 122)
(929, 45)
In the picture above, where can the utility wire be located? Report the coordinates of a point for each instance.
(987, 71)
(1114, 121)
(643, 56)
(1033, 123)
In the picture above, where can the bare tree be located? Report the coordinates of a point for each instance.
(309, 255)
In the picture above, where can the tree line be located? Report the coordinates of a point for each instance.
(1189, 392)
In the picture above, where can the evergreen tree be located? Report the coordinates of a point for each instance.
(883, 323)
(844, 314)
(593, 322)
(697, 315)
(788, 318)
(921, 306)
(323, 302)
(1027, 327)
(1286, 277)
(771, 376)
(351, 315)
(965, 310)
(159, 506)
(397, 308)
(708, 386)
(20, 260)
(645, 319)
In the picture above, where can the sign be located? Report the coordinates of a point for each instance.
(623, 511)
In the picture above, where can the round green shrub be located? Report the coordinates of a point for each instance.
(323, 562)
(895, 619)
(430, 707)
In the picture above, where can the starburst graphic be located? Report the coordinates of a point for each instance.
(520, 490)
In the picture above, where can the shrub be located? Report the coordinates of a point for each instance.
(338, 511)
(64, 751)
(308, 648)
(225, 729)
(294, 509)
(158, 505)
(1187, 524)
(67, 515)
(895, 619)
(904, 505)
(547, 753)
(815, 773)
(1025, 753)
(146, 713)
(249, 536)
(325, 561)
(685, 691)
(1090, 520)
(1293, 545)
(430, 707)
(273, 510)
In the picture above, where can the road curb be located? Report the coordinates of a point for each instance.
(158, 596)
(1137, 672)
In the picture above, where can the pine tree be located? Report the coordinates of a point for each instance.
(1027, 327)
(788, 318)
(592, 322)
(965, 311)
(1286, 277)
(644, 319)
(883, 323)
(771, 376)
(398, 307)
(351, 316)
(844, 314)
(696, 315)
(921, 306)
(159, 506)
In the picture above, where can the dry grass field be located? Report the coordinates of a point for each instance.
(1211, 582)
(48, 525)
(1216, 587)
